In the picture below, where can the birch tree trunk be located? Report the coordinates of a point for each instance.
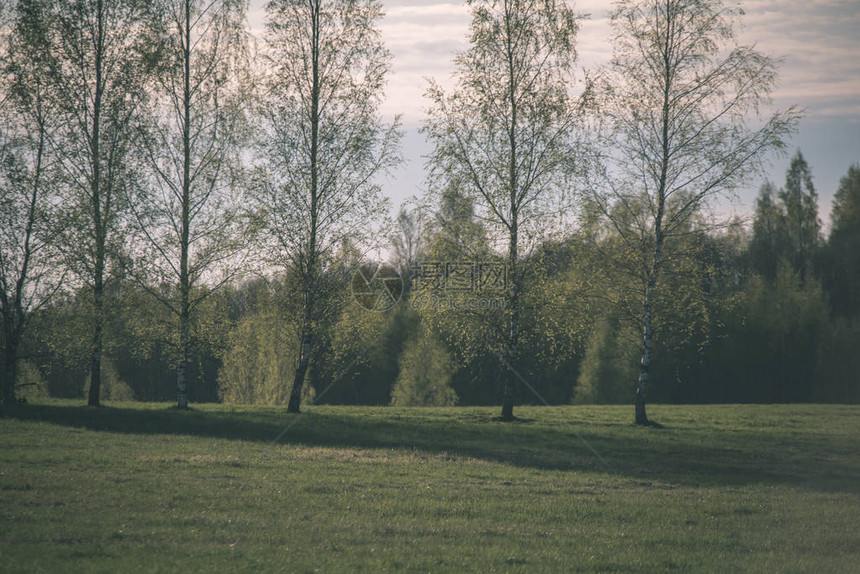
(185, 217)
(514, 325)
(307, 336)
(10, 370)
(647, 337)
(513, 234)
(99, 238)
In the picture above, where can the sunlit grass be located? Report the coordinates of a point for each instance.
(143, 487)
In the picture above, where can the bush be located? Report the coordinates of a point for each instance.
(425, 374)
(609, 370)
(29, 382)
(260, 361)
(838, 364)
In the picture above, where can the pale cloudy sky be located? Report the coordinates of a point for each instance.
(819, 41)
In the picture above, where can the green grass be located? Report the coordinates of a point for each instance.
(143, 487)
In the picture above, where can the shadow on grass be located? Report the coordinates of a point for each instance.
(693, 455)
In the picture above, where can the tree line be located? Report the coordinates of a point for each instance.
(184, 211)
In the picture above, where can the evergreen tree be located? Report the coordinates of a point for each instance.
(802, 228)
(843, 247)
(425, 374)
(609, 367)
(455, 234)
(768, 243)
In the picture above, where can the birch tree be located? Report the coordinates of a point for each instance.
(683, 104)
(323, 143)
(505, 135)
(28, 277)
(101, 60)
(190, 219)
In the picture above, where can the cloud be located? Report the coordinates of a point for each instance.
(816, 39)
(423, 39)
(819, 47)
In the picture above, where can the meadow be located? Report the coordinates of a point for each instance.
(134, 487)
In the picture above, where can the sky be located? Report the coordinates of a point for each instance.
(817, 40)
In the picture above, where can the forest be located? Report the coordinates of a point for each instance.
(189, 216)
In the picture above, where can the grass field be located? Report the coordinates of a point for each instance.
(143, 487)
